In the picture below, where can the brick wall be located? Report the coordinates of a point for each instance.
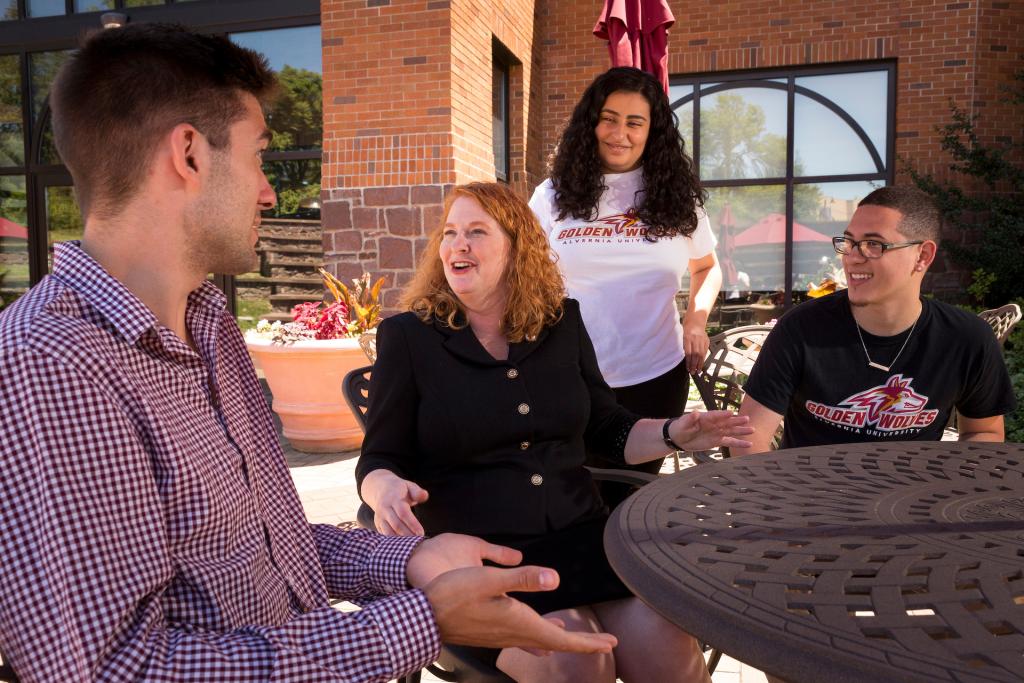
(407, 90)
(407, 113)
(945, 51)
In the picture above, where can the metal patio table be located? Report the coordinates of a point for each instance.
(833, 564)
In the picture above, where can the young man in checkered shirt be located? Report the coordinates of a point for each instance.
(149, 528)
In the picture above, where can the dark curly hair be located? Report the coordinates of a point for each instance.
(671, 191)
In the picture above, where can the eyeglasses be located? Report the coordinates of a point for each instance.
(868, 248)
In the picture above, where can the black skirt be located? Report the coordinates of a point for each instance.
(577, 554)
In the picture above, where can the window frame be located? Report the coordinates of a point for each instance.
(28, 35)
(768, 78)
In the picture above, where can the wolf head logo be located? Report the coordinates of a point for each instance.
(895, 396)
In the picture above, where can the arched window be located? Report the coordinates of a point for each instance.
(785, 157)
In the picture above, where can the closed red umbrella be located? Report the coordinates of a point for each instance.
(637, 34)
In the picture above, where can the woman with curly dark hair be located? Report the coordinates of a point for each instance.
(623, 209)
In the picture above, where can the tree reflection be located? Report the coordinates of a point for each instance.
(296, 119)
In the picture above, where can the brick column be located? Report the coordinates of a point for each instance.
(407, 114)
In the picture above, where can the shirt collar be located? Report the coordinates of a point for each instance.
(115, 302)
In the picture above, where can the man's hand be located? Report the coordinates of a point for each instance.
(392, 499)
(471, 608)
(699, 431)
(446, 552)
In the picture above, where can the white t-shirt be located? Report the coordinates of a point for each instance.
(625, 284)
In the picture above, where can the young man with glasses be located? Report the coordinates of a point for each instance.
(878, 361)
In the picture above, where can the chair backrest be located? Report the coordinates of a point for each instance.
(7, 674)
(730, 357)
(355, 388)
(368, 343)
(1002, 320)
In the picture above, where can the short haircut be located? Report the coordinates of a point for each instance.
(127, 87)
(921, 219)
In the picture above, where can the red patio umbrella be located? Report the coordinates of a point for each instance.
(772, 230)
(10, 229)
(637, 34)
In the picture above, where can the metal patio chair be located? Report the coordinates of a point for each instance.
(1002, 320)
(720, 381)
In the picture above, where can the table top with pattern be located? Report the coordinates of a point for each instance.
(854, 562)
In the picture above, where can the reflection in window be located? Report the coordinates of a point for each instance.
(142, 3)
(63, 219)
(8, 10)
(825, 208)
(759, 203)
(743, 134)
(294, 180)
(297, 116)
(93, 5)
(862, 95)
(825, 144)
(499, 116)
(44, 8)
(684, 112)
(750, 226)
(12, 142)
(14, 273)
(43, 67)
(290, 246)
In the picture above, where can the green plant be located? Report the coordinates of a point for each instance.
(363, 305)
(1014, 354)
(991, 215)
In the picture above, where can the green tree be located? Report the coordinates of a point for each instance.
(296, 119)
(735, 144)
(984, 200)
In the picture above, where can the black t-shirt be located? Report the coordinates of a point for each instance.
(813, 370)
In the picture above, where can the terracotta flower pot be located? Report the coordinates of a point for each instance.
(305, 379)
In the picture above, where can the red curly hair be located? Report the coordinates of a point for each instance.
(535, 286)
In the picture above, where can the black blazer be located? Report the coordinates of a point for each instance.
(499, 445)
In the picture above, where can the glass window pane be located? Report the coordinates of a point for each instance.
(8, 10)
(750, 226)
(743, 134)
(499, 116)
(93, 5)
(14, 277)
(297, 184)
(44, 8)
(63, 219)
(862, 95)
(822, 210)
(683, 112)
(825, 144)
(43, 68)
(142, 3)
(12, 141)
(297, 116)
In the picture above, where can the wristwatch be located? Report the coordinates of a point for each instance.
(668, 439)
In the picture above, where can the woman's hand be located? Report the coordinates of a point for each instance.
(392, 499)
(699, 431)
(695, 346)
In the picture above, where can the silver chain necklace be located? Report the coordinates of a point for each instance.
(879, 366)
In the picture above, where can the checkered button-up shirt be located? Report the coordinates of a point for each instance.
(149, 529)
